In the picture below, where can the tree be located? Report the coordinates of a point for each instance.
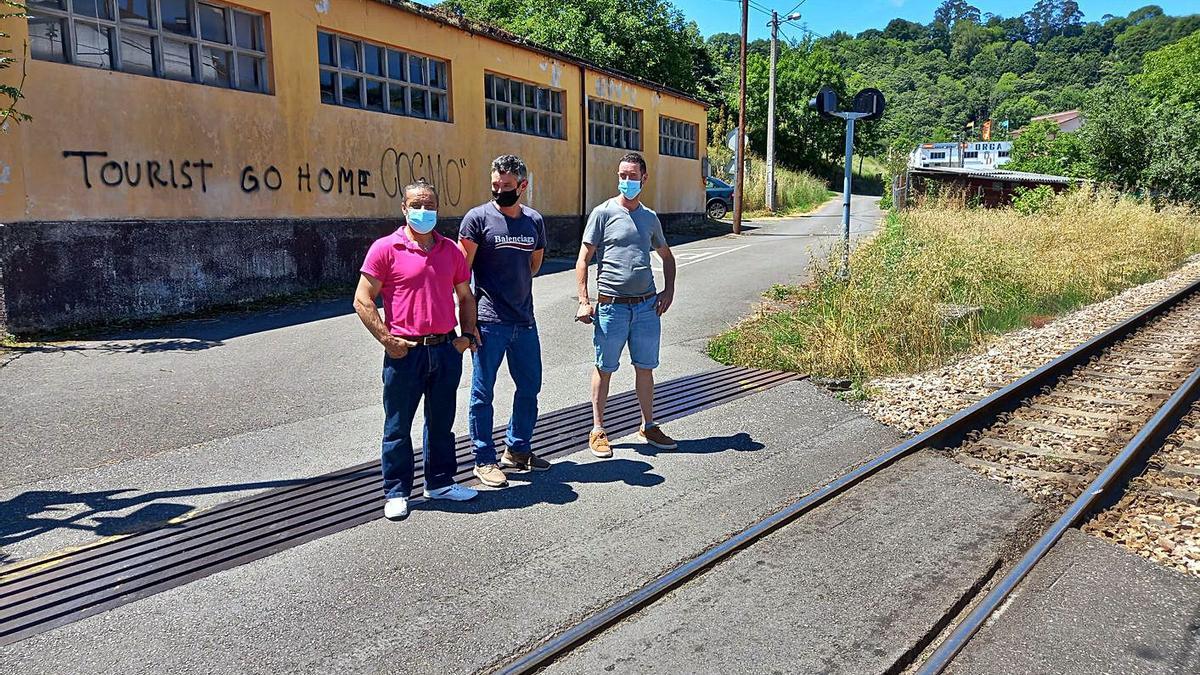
(1041, 148)
(724, 47)
(900, 29)
(951, 12)
(1173, 170)
(651, 38)
(1018, 111)
(802, 138)
(1171, 75)
(1115, 136)
(1020, 58)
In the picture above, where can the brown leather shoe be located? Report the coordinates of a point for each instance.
(523, 462)
(598, 442)
(655, 436)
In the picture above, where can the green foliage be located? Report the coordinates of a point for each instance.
(650, 38)
(802, 138)
(1028, 201)
(1171, 75)
(11, 92)
(1042, 149)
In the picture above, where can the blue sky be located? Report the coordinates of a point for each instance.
(825, 16)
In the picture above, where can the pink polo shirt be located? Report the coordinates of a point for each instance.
(418, 287)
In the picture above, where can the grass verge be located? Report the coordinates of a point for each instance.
(796, 191)
(1002, 269)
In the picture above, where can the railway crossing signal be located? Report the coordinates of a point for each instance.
(868, 105)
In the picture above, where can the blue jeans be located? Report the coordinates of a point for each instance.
(434, 373)
(616, 325)
(524, 351)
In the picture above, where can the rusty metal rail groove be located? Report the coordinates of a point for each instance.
(946, 434)
(47, 592)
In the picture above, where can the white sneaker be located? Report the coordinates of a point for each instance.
(455, 492)
(395, 508)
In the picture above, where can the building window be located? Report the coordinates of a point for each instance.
(677, 138)
(359, 74)
(614, 125)
(523, 108)
(202, 42)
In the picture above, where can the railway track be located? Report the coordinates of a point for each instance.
(1158, 517)
(1055, 445)
(1070, 433)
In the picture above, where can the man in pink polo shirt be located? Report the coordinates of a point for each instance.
(419, 272)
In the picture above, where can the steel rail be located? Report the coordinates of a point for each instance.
(1109, 483)
(951, 431)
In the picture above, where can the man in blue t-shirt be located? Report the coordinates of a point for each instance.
(504, 242)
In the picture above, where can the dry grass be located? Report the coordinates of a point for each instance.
(1016, 269)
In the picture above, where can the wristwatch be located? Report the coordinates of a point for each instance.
(471, 339)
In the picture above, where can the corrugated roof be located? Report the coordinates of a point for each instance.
(501, 35)
(998, 174)
(1058, 117)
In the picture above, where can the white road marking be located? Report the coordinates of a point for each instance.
(689, 256)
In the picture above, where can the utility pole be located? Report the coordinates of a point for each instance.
(774, 24)
(740, 159)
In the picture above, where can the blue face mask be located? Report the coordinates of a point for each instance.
(422, 221)
(630, 188)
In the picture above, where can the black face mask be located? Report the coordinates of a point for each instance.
(505, 199)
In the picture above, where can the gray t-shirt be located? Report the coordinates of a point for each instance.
(623, 242)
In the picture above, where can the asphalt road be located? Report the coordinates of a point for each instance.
(150, 424)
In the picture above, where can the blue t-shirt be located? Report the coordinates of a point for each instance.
(503, 280)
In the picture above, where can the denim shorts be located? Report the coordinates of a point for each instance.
(636, 325)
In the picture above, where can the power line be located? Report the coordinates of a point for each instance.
(798, 4)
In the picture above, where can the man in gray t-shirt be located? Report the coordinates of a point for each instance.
(620, 234)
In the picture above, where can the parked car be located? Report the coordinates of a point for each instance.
(718, 197)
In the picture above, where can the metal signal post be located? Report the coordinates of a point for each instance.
(868, 105)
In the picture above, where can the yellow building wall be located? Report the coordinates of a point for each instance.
(238, 137)
(676, 185)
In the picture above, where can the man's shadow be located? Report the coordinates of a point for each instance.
(552, 487)
(39, 512)
(702, 446)
(526, 490)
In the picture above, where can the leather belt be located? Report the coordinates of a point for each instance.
(610, 300)
(430, 340)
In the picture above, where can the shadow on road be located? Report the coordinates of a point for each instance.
(39, 512)
(555, 485)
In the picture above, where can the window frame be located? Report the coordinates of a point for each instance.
(612, 125)
(430, 64)
(555, 114)
(673, 140)
(195, 41)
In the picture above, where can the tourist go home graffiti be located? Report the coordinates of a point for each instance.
(397, 168)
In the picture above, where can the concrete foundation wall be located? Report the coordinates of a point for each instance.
(55, 275)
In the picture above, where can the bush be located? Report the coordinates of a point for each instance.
(1028, 201)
